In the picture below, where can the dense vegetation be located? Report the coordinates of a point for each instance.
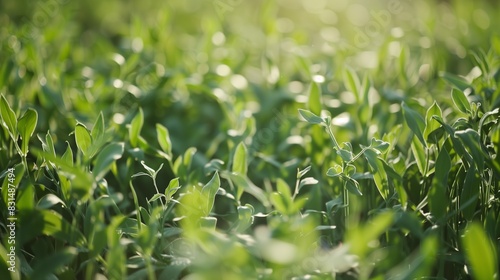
(231, 139)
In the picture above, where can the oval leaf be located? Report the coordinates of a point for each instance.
(240, 159)
(8, 117)
(209, 191)
(430, 123)
(83, 138)
(135, 128)
(163, 138)
(479, 252)
(106, 157)
(310, 117)
(414, 121)
(460, 100)
(26, 127)
(314, 102)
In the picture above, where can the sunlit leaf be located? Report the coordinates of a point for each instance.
(209, 191)
(310, 117)
(314, 103)
(98, 129)
(8, 117)
(415, 122)
(83, 139)
(240, 159)
(480, 252)
(26, 126)
(172, 188)
(334, 171)
(111, 153)
(163, 137)
(456, 81)
(460, 101)
(430, 123)
(351, 82)
(135, 128)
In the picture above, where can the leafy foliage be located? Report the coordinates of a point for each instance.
(188, 140)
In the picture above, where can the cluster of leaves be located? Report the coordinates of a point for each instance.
(139, 156)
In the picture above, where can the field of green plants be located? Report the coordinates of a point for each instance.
(230, 139)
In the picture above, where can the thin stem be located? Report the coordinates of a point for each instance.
(346, 205)
(157, 191)
(332, 137)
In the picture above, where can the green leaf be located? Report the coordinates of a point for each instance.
(352, 83)
(420, 157)
(49, 223)
(352, 186)
(48, 144)
(471, 140)
(279, 202)
(438, 200)
(457, 145)
(310, 117)
(456, 81)
(26, 127)
(240, 159)
(246, 185)
(183, 163)
(151, 171)
(26, 198)
(470, 193)
(346, 155)
(98, 129)
(209, 191)
(430, 123)
(213, 165)
(8, 117)
(163, 137)
(480, 252)
(365, 89)
(378, 171)
(334, 171)
(245, 217)
(83, 139)
(301, 173)
(379, 146)
(208, 222)
(135, 128)
(105, 158)
(333, 204)
(415, 122)
(307, 181)
(81, 188)
(314, 103)
(283, 188)
(68, 155)
(156, 197)
(172, 188)
(460, 101)
(48, 201)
